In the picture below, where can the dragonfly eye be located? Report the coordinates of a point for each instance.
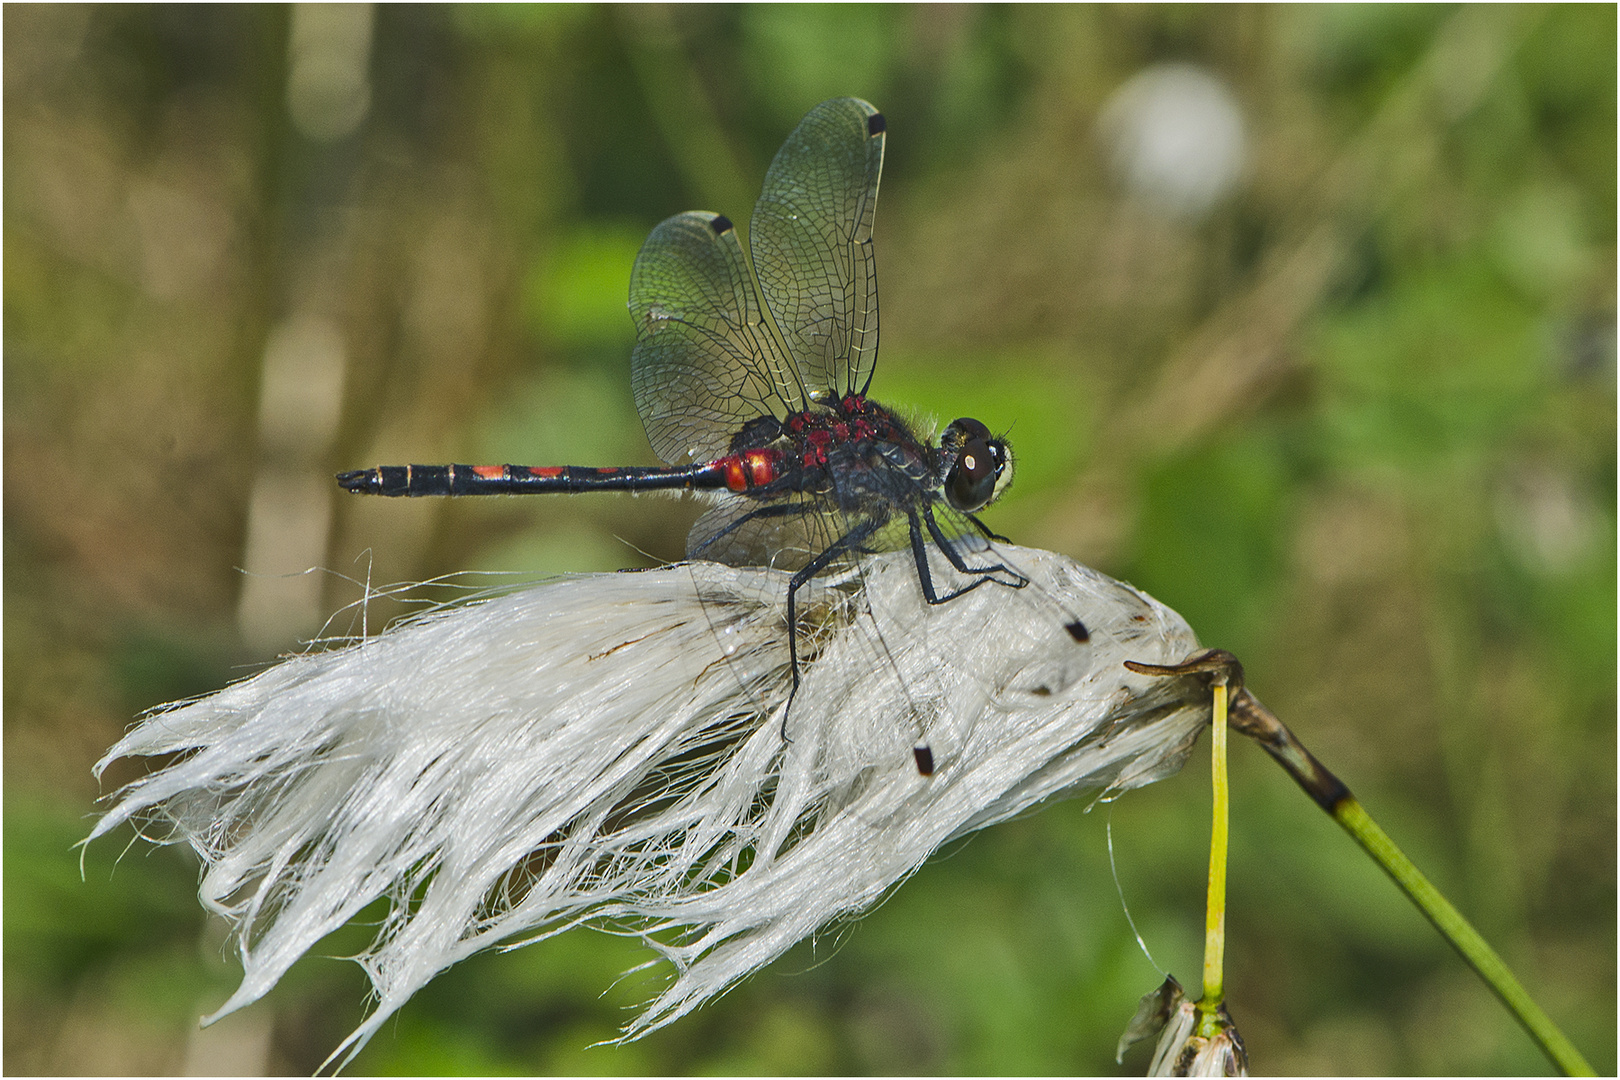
(981, 465)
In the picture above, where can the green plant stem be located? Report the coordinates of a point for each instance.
(1462, 935)
(1251, 718)
(1215, 907)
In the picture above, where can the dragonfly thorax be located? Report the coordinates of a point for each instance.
(860, 454)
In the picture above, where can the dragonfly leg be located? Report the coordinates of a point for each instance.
(920, 554)
(848, 541)
(944, 543)
(925, 575)
(986, 530)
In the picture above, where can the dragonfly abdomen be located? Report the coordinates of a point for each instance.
(736, 472)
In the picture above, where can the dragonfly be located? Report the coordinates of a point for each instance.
(751, 379)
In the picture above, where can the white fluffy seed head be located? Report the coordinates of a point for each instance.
(620, 749)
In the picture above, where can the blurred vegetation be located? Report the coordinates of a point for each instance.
(1357, 424)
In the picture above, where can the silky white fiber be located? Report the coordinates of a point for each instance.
(620, 749)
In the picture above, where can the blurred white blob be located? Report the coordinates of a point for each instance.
(1176, 138)
(288, 517)
(290, 510)
(329, 84)
(302, 393)
(1545, 518)
(618, 749)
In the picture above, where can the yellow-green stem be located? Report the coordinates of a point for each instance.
(1329, 792)
(1462, 935)
(1215, 908)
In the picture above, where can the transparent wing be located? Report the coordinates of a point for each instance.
(787, 532)
(811, 240)
(784, 534)
(705, 361)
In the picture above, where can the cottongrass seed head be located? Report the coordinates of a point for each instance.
(621, 750)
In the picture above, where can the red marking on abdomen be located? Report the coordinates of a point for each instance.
(490, 472)
(751, 469)
(761, 466)
(546, 471)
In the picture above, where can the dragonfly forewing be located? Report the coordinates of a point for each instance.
(705, 361)
(811, 242)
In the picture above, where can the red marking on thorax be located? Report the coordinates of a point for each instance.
(854, 420)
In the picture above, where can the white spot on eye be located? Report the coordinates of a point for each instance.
(968, 463)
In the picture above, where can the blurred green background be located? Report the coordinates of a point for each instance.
(1353, 416)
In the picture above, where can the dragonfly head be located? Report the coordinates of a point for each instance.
(980, 465)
